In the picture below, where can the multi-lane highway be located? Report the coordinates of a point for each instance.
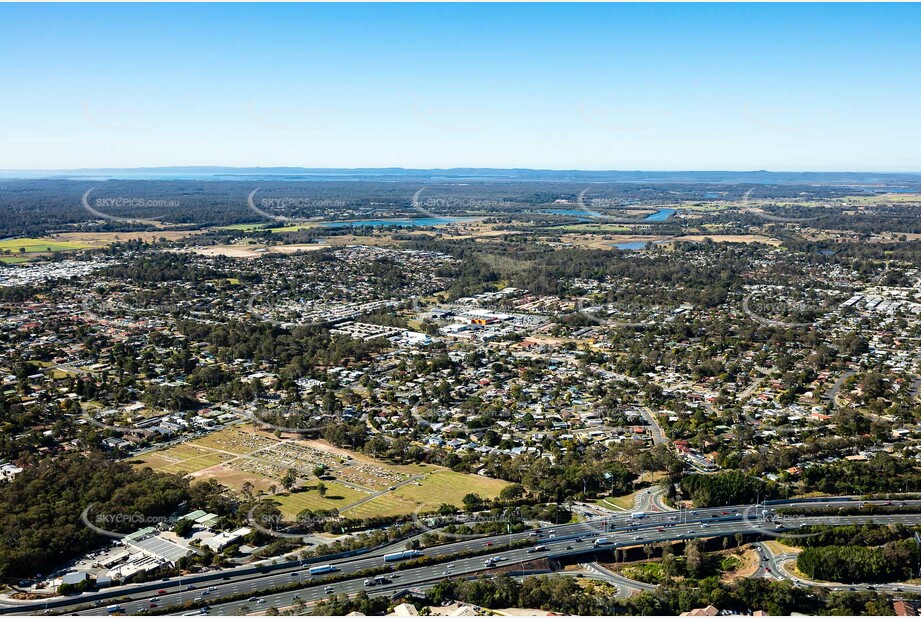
(578, 542)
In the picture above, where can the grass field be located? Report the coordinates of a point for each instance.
(337, 497)
(439, 487)
(623, 502)
(296, 227)
(383, 505)
(40, 245)
(183, 459)
(13, 259)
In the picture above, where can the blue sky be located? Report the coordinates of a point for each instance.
(653, 86)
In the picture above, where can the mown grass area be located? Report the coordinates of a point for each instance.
(39, 245)
(427, 494)
(337, 496)
(447, 487)
(618, 502)
(383, 505)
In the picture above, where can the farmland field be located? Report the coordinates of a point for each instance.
(39, 245)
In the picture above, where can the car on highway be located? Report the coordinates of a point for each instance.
(161, 591)
(260, 601)
(212, 588)
(329, 589)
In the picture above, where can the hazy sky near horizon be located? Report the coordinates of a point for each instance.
(624, 86)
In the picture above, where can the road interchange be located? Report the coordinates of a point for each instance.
(573, 541)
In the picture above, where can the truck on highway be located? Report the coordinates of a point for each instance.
(402, 555)
(114, 608)
(602, 541)
(638, 515)
(326, 568)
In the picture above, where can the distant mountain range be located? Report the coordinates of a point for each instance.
(470, 174)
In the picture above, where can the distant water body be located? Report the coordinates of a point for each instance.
(638, 245)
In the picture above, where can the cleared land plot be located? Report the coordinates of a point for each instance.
(741, 238)
(104, 239)
(234, 478)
